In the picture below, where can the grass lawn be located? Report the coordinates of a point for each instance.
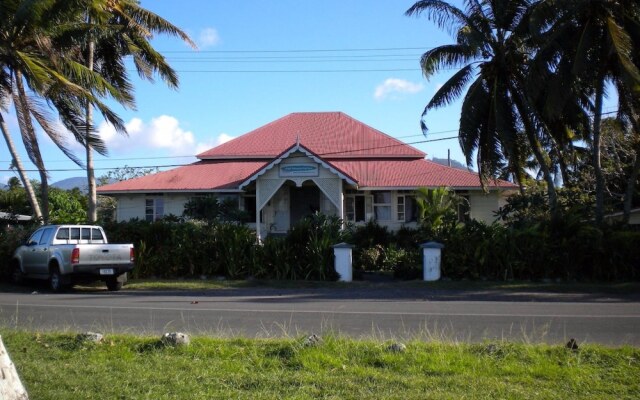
(56, 366)
(514, 286)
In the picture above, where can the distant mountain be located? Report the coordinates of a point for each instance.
(454, 163)
(70, 183)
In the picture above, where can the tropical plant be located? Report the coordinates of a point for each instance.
(435, 204)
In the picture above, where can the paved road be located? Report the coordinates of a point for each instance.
(380, 313)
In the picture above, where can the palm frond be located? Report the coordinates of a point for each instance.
(452, 89)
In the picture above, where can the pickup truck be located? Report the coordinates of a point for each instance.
(68, 254)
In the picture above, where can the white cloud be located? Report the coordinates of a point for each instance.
(161, 133)
(208, 37)
(204, 146)
(394, 86)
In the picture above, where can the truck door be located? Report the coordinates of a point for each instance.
(41, 253)
(29, 256)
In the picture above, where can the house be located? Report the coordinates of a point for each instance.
(307, 162)
(634, 217)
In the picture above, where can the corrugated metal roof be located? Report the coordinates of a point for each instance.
(327, 134)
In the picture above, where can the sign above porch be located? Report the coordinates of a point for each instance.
(296, 170)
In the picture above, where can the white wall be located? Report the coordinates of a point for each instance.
(483, 205)
(133, 205)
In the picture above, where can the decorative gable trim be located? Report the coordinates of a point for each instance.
(298, 147)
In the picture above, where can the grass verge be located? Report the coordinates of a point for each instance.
(56, 366)
(511, 286)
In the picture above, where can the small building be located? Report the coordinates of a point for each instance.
(307, 162)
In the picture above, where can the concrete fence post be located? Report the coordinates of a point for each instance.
(10, 385)
(431, 260)
(343, 261)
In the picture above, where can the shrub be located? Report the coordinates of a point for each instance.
(10, 239)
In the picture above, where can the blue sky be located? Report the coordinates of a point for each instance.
(260, 60)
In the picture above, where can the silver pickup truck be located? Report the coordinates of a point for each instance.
(68, 254)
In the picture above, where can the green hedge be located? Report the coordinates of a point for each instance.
(166, 249)
(566, 250)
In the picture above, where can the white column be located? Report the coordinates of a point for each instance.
(258, 221)
(341, 203)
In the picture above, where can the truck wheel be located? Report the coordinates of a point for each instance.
(113, 285)
(55, 280)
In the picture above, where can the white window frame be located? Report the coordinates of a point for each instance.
(154, 208)
(351, 215)
(400, 207)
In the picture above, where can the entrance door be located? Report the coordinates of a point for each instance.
(304, 201)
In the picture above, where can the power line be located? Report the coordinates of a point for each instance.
(293, 50)
(296, 71)
(193, 155)
(182, 165)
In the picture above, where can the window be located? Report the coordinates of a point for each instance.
(250, 207)
(154, 209)
(35, 238)
(400, 210)
(96, 235)
(63, 234)
(382, 206)
(354, 208)
(406, 208)
(464, 208)
(46, 235)
(75, 233)
(86, 233)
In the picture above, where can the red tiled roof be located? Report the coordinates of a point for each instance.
(327, 134)
(411, 173)
(203, 175)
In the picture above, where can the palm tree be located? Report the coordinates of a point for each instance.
(120, 29)
(492, 51)
(599, 39)
(29, 56)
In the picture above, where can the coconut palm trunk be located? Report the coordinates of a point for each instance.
(92, 197)
(596, 153)
(29, 136)
(31, 195)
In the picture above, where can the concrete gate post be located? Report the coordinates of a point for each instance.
(343, 260)
(431, 260)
